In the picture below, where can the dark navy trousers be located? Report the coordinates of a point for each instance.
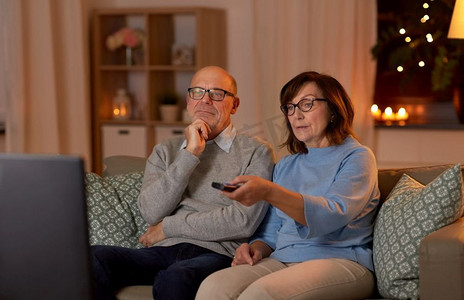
(175, 272)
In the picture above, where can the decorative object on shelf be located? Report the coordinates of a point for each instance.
(388, 116)
(129, 57)
(182, 54)
(122, 108)
(129, 38)
(456, 31)
(169, 108)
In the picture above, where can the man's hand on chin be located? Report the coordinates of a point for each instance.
(197, 134)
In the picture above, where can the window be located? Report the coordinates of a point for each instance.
(417, 65)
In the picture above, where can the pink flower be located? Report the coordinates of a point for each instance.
(125, 37)
(130, 39)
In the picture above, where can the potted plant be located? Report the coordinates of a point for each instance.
(169, 108)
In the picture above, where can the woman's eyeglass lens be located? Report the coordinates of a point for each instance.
(198, 93)
(304, 105)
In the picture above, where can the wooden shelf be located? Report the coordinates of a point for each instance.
(154, 73)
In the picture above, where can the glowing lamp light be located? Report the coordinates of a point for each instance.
(456, 30)
(400, 69)
(425, 5)
(421, 63)
(121, 105)
(122, 112)
(407, 39)
(402, 31)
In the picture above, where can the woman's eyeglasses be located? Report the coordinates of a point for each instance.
(304, 105)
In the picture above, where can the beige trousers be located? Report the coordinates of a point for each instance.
(270, 279)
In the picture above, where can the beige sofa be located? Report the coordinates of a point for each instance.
(441, 254)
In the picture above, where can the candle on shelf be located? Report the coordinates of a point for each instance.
(402, 114)
(388, 115)
(375, 111)
(121, 105)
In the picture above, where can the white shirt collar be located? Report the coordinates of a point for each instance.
(223, 140)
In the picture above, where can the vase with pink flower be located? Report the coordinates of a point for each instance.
(129, 38)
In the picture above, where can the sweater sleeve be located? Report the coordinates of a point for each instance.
(266, 231)
(229, 221)
(164, 182)
(352, 194)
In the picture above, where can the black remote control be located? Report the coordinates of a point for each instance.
(225, 186)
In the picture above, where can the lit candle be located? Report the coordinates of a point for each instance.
(388, 114)
(375, 111)
(121, 105)
(402, 114)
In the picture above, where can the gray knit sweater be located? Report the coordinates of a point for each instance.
(177, 190)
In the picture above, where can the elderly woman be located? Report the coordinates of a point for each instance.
(314, 242)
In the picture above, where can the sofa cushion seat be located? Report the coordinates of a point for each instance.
(135, 292)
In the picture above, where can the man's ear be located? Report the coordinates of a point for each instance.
(235, 105)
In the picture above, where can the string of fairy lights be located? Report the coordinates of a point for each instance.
(388, 116)
(411, 42)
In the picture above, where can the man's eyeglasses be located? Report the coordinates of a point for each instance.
(304, 105)
(216, 94)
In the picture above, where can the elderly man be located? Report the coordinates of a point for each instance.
(194, 228)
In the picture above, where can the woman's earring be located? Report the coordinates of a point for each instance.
(332, 118)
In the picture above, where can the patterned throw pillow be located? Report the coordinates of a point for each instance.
(113, 216)
(411, 212)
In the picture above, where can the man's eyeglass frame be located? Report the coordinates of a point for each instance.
(210, 93)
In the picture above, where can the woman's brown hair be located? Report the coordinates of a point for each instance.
(340, 107)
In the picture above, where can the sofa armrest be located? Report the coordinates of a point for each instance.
(441, 263)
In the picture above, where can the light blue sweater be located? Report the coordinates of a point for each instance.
(340, 190)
